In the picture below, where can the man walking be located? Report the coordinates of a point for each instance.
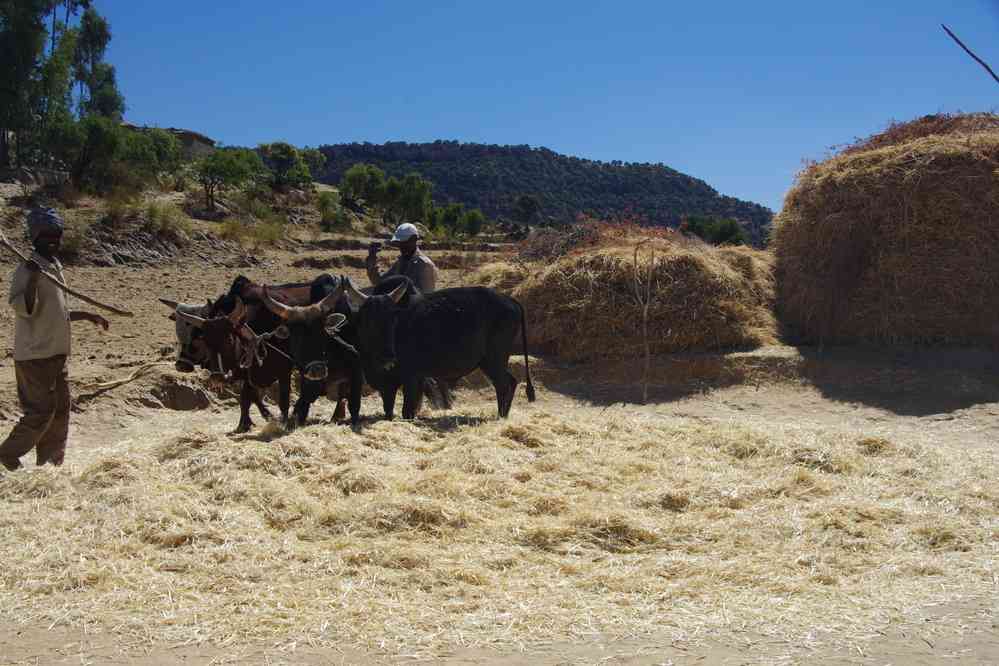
(41, 347)
(411, 262)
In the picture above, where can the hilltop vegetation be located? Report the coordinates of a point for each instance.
(495, 178)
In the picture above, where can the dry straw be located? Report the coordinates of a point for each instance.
(559, 524)
(582, 306)
(896, 239)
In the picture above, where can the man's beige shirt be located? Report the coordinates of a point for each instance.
(44, 332)
(417, 268)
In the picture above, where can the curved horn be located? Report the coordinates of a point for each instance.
(352, 292)
(170, 304)
(191, 319)
(279, 309)
(238, 311)
(397, 293)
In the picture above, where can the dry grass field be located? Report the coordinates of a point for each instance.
(767, 520)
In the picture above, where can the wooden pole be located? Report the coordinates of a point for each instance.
(59, 283)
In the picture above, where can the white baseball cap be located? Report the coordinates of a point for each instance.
(404, 232)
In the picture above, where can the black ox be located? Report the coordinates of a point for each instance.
(446, 334)
(325, 343)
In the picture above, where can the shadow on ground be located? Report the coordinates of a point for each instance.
(906, 381)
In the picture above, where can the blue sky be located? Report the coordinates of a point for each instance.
(734, 93)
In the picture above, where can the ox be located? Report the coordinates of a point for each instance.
(333, 362)
(320, 340)
(192, 351)
(445, 334)
(241, 338)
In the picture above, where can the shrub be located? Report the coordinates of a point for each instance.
(167, 221)
(717, 231)
(232, 230)
(266, 233)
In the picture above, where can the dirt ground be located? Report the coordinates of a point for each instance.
(944, 400)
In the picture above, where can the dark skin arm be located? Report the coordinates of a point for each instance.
(31, 289)
(75, 315)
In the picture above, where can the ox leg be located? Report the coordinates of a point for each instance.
(258, 400)
(388, 399)
(412, 397)
(284, 397)
(504, 383)
(340, 413)
(307, 394)
(354, 399)
(246, 398)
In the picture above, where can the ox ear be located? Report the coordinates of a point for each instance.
(397, 293)
(170, 304)
(335, 322)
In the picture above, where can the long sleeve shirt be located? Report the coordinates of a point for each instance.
(417, 268)
(43, 332)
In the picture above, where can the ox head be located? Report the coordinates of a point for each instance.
(376, 319)
(217, 332)
(190, 344)
(310, 329)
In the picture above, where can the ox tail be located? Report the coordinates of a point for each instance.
(527, 363)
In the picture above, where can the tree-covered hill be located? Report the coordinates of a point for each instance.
(492, 178)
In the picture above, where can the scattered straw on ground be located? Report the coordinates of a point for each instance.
(898, 243)
(583, 306)
(465, 530)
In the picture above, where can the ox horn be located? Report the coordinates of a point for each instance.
(352, 291)
(238, 312)
(191, 319)
(279, 309)
(397, 293)
(170, 304)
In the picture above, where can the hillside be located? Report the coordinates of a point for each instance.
(492, 177)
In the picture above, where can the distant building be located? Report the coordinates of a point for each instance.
(193, 144)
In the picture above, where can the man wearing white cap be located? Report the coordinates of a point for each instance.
(41, 345)
(411, 262)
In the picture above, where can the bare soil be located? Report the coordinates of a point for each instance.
(944, 400)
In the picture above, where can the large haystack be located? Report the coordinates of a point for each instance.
(583, 307)
(898, 242)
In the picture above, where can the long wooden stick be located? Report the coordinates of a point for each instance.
(59, 283)
(968, 51)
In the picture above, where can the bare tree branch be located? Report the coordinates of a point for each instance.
(968, 51)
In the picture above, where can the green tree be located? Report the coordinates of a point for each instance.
(315, 160)
(105, 98)
(287, 166)
(451, 216)
(526, 208)
(95, 35)
(362, 181)
(472, 222)
(224, 168)
(716, 231)
(22, 43)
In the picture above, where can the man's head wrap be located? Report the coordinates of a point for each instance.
(41, 220)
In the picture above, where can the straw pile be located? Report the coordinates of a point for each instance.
(561, 523)
(583, 306)
(896, 242)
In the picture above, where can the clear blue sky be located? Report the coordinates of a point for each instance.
(734, 93)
